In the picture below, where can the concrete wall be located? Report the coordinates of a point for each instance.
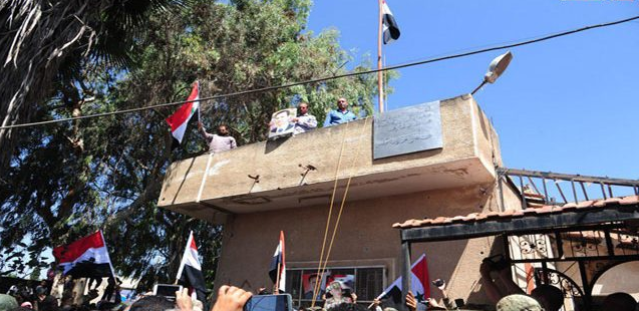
(365, 238)
(467, 158)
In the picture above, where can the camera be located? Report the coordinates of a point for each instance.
(166, 290)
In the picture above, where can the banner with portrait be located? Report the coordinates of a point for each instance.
(282, 124)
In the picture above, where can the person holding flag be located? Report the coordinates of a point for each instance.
(419, 284)
(219, 142)
(190, 271)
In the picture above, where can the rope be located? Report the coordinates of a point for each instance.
(328, 220)
(341, 209)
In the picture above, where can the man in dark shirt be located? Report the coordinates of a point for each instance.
(44, 302)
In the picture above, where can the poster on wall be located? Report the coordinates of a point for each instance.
(282, 124)
(311, 280)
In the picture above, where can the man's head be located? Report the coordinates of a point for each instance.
(550, 297)
(342, 104)
(335, 289)
(518, 303)
(303, 108)
(619, 302)
(222, 130)
(41, 291)
(312, 281)
(152, 303)
(7, 302)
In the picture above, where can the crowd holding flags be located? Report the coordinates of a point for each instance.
(88, 257)
(179, 120)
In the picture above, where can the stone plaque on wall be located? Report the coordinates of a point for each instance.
(407, 130)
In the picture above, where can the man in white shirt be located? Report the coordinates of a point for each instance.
(219, 142)
(304, 121)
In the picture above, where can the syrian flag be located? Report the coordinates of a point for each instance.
(86, 257)
(278, 264)
(179, 120)
(419, 283)
(389, 28)
(190, 271)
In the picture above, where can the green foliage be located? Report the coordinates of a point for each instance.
(251, 45)
(70, 179)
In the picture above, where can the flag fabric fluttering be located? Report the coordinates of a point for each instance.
(390, 29)
(86, 257)
(420, 286)
(179, 120)
(278, 264)
(190, 271)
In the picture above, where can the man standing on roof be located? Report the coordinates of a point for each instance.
(339, 115)
(219, 142)
(304, 121)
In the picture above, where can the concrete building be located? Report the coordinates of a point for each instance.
(257, 190)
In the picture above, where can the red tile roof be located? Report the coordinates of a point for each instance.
(509, 214)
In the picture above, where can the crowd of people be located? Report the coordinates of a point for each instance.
(498, 285)
(303, 122)
(229, 298)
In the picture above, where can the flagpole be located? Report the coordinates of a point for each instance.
(277, 280)
(380, 74)
(188, 243)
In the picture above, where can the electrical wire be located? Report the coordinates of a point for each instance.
(350, 74)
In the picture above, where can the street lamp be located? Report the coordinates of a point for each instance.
(496, 68)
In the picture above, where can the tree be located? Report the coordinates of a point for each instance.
(44, 41)
(69, 179)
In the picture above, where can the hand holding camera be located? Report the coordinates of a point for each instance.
(231, 298)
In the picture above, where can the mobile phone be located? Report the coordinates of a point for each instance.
(281, 302)
(166, 290)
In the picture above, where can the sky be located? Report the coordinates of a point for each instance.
(567, 105)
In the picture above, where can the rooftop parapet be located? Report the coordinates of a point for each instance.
(300, 171)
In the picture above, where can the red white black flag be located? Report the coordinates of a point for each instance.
(390, 29)
(278, 265)
(190, 271)
(420, 285)
(179, 120)
(86, 257)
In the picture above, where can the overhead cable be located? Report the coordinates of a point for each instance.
(350, 74)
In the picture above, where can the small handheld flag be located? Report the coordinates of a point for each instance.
(277, 270)
(390, 28)
(190, 271)
(179, 120)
